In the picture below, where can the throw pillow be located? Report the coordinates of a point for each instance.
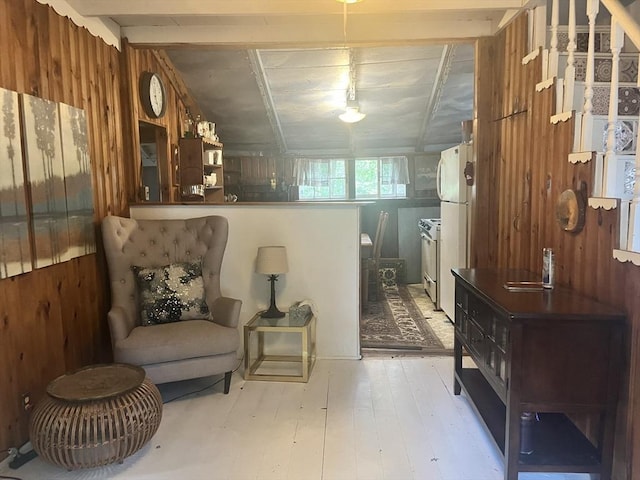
(170, 293)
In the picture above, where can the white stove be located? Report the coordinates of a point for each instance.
(430, 236)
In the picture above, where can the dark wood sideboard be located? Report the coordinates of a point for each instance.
(540, 357)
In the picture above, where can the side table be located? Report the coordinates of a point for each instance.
(280, 368)
(94, 416)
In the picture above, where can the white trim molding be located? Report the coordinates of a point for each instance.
(561, 117)
(531, 56)
(604, 203)
(627, 256)
(545, 84)
(106, 29)
(580, 157)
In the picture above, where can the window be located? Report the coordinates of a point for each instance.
(321, 179)
(381, 177)
(375, 177)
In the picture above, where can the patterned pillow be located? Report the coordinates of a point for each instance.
(171, 293)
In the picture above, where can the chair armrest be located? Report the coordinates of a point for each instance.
(226, 311)
(120, 325)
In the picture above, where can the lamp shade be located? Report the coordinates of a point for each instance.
(272, 260)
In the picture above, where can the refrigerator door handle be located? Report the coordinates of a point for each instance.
(439, 179)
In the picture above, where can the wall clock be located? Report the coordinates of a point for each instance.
(153, 96)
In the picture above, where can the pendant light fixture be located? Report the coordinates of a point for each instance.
(352, 113)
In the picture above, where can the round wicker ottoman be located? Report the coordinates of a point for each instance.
(94, 416)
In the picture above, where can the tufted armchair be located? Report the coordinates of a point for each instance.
(182, 349)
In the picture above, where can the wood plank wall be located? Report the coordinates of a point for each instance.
(53, 320)
(134, 62)
(521, 170)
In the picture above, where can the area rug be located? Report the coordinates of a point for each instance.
(394, 321)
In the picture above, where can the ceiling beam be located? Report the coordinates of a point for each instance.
(172, 8)
(312, 33)
(267, 99)
(434, 99)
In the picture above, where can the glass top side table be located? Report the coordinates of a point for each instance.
(295, 367)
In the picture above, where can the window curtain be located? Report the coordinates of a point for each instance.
(309, 172)
(398, 168)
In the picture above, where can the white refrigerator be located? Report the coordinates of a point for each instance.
(454, 193)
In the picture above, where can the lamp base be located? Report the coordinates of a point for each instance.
(272, 313)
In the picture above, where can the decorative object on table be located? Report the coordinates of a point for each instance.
(548, 267)
(299, 311)
(395, 322)
(95, 416)
(272, 261)
(153, 96)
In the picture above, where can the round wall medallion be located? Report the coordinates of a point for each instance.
(570, 211)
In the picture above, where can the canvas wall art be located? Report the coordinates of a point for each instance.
(15, 250)
(77, 180)
(45, 174)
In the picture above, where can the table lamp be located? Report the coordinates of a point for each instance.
(272, 261)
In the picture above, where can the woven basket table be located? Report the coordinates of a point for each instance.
(95, 416)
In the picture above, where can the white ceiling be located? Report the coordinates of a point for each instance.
(273, 74)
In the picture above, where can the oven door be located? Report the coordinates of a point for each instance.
(429, 266)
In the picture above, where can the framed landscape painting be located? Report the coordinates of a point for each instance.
(15, 250)
(77, 180)
(45, 174)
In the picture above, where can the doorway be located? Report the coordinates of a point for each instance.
(153, 163)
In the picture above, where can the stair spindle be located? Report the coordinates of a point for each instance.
(553, 51)
(570, 71)
(610, 176)
(586, 140)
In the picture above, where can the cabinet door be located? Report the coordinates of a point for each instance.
(497, 352)
(476, 342)
(191, 165)
(462, 321)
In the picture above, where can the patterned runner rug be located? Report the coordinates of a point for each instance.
(395, 322)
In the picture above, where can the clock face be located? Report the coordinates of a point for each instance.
(156, 95)
(152, 94)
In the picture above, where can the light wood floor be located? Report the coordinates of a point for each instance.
(378, 418)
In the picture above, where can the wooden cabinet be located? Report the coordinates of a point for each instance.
(200, 159)
(551, 353)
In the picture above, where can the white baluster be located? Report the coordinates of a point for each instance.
(586, 139)
(610, 180)
(570, 71)
(553, 51)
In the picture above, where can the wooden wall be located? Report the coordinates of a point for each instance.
(53, 320)
(134, 61)
(521, 170)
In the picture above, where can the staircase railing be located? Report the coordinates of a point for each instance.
(611, 174)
